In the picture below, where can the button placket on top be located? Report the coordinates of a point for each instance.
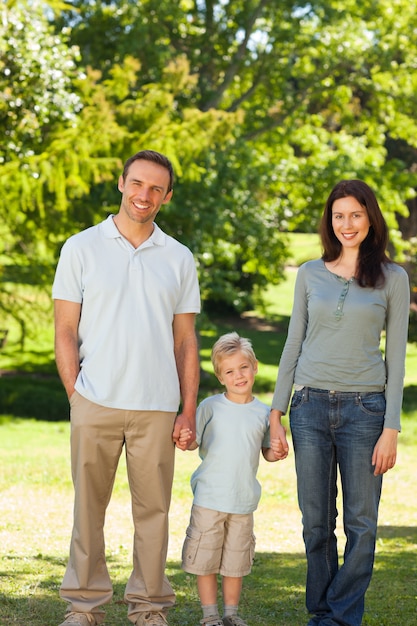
(338, 313)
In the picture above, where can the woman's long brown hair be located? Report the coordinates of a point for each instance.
(372, 251)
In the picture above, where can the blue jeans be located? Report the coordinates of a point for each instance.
(329, 430)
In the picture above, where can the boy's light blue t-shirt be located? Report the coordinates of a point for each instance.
(230, 438)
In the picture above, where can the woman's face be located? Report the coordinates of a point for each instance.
(350, 222)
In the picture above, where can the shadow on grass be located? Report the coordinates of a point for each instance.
(407, 533)
(272, 594)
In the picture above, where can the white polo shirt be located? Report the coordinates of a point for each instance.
(129, 298)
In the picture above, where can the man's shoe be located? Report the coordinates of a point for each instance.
(81, 619)
(151, 618)
(233, 620)
(213, 620)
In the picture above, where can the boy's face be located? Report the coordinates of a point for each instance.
(237, 374)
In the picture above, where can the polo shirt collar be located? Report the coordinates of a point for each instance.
(111, 231)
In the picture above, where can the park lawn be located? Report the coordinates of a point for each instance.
(35, 526)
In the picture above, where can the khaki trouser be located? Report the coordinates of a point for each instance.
(98, 435)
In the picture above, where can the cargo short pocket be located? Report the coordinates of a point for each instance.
(191, 544)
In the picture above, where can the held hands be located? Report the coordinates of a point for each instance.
(279, 448)
(184, 438)
(279, 443)
(183, 434)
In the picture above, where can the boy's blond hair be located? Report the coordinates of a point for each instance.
(227, 345)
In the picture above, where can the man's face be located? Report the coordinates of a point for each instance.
(144, 191)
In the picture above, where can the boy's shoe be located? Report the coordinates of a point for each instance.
(151, 618)
(212, 620)
(82, 619)
(233, 620)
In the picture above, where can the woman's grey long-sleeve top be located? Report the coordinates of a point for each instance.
(334, 337)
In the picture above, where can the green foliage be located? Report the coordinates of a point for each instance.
(38, 101)
(261, 106)
(33, 397)
(35, 79)
(412, 271)
(319, 90)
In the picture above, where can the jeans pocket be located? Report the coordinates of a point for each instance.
(373, 404)
(297, 399)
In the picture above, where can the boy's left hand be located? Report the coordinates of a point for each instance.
(279, 443)
(279, 449)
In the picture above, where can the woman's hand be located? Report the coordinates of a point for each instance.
(279, 443)
(385, 452)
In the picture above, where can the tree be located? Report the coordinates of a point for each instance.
(261, 106)
(322, 92)
(37, 97)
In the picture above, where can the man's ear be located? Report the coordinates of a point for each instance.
(121, 184)
(168, 197)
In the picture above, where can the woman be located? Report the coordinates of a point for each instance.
(346, 405)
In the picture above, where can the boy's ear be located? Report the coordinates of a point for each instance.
(255, 367)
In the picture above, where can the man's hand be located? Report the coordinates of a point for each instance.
(183, 434)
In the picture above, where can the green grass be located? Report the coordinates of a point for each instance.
(35, 525)
(304, 247)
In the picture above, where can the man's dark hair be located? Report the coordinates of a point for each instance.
(154, 157)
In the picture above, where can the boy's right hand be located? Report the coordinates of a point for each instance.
(183, 441)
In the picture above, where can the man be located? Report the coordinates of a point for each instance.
(126, 295)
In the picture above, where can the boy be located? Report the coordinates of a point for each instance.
(232, 429)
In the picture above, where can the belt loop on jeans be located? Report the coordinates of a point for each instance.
(305, 393)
